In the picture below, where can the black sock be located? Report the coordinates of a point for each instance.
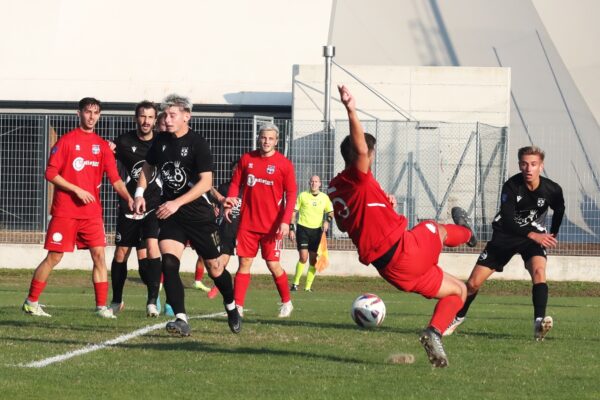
(463, 311)
(118, 275)
(539, 296)
(153, 271)
(143, 270)
(173, 284)
(224, 283)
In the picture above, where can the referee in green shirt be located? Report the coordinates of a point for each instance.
(314, 212)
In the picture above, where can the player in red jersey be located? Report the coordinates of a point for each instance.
(76, 165)
(269, 196)
(408, 259)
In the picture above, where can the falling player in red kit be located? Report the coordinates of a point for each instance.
(269, 194)
(77, 163)
(407, 259)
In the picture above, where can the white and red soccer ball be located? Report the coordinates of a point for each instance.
(368, 310)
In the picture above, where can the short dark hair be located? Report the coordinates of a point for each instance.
(348, 152)
(145, 105)
(89, 101)
(531, 151)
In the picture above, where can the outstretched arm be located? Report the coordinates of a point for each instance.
(357, 134)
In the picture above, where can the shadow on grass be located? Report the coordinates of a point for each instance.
(187, 345)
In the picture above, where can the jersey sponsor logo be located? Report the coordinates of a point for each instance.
(57, 237)
(136, 171)
(79, 163)
(77, 147)
(184, 151)
(340, 207)
(541, 201)
(173, 176)
(271, 169)
(133, 148)
(253, 180)
(95, 149)
(526, 217)
(483, 255)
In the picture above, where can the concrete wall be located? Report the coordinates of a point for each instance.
(342, 263)
(449, 94)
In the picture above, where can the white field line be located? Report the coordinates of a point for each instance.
(94, 347)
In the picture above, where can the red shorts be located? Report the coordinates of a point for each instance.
(413, 267)
(63, 233)
(270, 244)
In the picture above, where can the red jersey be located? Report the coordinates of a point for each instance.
(264, 181)
(81, 158)
(361, 209)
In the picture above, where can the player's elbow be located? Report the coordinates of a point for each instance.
(50, 174)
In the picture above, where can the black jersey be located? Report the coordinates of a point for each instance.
(235, 211)
(179, 161)
(523, 211)
(130, 153)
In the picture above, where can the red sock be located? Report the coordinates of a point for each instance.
(445, 311)
(456, 235)
(240, 287)
(35, 290)
(199, 273)
(283, 287)
(101, 292)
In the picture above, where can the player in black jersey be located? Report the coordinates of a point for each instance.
(520, 227)
(184, 163)
(137, 230)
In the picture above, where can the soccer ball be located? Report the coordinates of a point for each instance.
(368, 310)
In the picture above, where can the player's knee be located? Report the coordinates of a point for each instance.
(214, 268)
(170, 264)
(472, 286)
(54, 258)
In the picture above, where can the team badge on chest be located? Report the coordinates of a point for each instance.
(541, 202)
(184, 151)
(271, 169)
(95, 149)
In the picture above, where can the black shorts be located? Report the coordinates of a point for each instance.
(228, 234)
(134, 232)
(308, 238)
(203, 236)
(503, 247)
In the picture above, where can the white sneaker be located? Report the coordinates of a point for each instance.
(541, 327)
(105, 312)
(286, 309)
(117, 307)
(152, 311)
(34, 309)
(453, 325)
(240, 310)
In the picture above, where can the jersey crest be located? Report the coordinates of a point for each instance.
(95, 149)
(541, 201)
(271, 169)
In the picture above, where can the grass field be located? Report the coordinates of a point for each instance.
(316, 354)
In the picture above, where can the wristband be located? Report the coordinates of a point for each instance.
(292, 227)
(139, 192)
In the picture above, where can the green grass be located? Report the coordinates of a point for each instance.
(316, 354)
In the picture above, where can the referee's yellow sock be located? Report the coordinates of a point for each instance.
(299, 271)
(310, 277)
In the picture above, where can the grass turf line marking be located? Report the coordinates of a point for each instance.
(120, 339)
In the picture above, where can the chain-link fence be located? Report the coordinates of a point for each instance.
(429, 167)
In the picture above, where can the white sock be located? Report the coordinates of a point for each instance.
(182, 316)
(230, 306)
